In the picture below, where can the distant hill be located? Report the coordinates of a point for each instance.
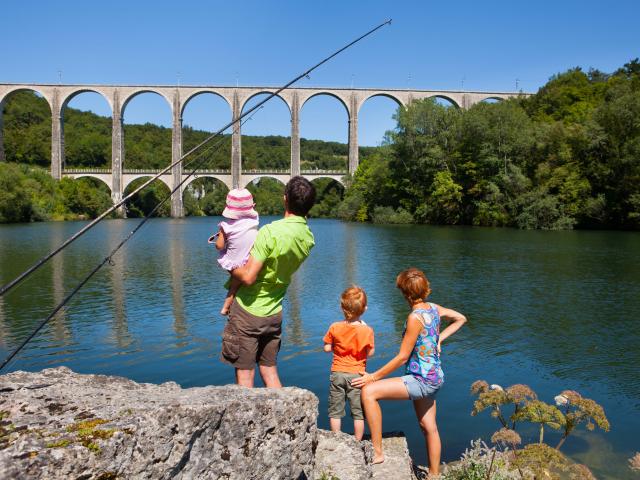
(27, 139)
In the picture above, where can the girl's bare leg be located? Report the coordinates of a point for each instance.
(386, 389)
(426, 413)
(231, 294)
(335, 424)
(358, 429)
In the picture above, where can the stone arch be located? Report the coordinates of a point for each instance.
(71, 95)
(146, 200)
(199, 176)
(95, 177)
(205, 92)
(263, 92)
(134, 94)
(73, 143)
(447, 98)
(46, 154)
(195, 189)
(13, 90)
(494, 98)
(330, 94)
(251, 178)
(129, 179)
(332, 180)
(381, 94)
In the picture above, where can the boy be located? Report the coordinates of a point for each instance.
(351, 341)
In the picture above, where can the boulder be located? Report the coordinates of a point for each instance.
(59, 424)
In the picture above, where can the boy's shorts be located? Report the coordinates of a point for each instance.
(248, 339)
(340, 389)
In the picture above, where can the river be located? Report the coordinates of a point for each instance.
(554, 310)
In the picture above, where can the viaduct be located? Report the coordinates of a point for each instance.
(118, 96)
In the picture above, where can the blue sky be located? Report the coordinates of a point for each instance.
(432, 45)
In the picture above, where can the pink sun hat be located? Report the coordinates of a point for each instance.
(239, 205)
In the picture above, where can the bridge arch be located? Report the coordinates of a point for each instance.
(205, 195)
(74, 93)
(219, 178)
(390, 96)
(148, 198)
(128, 179)
(31, 125)
(25, 88)
(132, 95)
(86, 123)
(447, 99)
(202, 92)
(329, 94)
(263, 92)
(492, 99)
(97, 177)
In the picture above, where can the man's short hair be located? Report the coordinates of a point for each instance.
(301, 195)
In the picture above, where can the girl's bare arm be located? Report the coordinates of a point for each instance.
(456, 318)
(406, 347)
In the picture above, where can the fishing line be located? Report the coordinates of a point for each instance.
(109, 258)
(5, 288)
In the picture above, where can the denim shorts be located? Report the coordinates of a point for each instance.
(419, 389)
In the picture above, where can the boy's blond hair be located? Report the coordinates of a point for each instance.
(353, 302)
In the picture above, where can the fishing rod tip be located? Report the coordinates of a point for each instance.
(388, 22)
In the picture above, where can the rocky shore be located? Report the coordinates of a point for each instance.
(60, 424)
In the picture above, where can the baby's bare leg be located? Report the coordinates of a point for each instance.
(231, 294)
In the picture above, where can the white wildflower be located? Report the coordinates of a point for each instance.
(561, 400)
(495, 387)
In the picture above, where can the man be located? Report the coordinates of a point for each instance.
(252, 334)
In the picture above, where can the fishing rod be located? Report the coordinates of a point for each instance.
(7, 287)
(109, 258)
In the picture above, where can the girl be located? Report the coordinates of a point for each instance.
(420, 351)
(235, 237)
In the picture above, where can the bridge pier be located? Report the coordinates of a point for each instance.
(177, 207)
(236, 143)
(295, 135)
(57, 137)
(353, 134)
(117, 152)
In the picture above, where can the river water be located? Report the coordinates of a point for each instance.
(555, 310)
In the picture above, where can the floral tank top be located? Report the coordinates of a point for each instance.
(424, 361)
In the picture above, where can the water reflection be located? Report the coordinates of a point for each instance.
(294, 325)
(120, 325)
(176, 263)
(58, 324)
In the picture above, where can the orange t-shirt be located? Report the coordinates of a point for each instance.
(351, 342)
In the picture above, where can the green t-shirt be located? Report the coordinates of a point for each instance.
(281, 246)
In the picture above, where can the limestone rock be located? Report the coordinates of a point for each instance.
(59, 424)
(340, 455)
(397, 462)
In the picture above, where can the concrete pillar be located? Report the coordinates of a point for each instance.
(295, 135)
(353, 134)
(117, 151)
(236, 143)
(57, 137)
(177, 207)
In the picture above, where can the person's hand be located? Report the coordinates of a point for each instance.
(365, 379)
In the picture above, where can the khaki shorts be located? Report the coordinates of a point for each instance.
(339, 390)
(247, 339)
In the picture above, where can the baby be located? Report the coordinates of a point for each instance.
(235, 237)
(351, 341)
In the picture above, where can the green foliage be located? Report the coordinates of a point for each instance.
(328, 198)
(148, 198)
(481, 462)
(268, 195)
(28, 193)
